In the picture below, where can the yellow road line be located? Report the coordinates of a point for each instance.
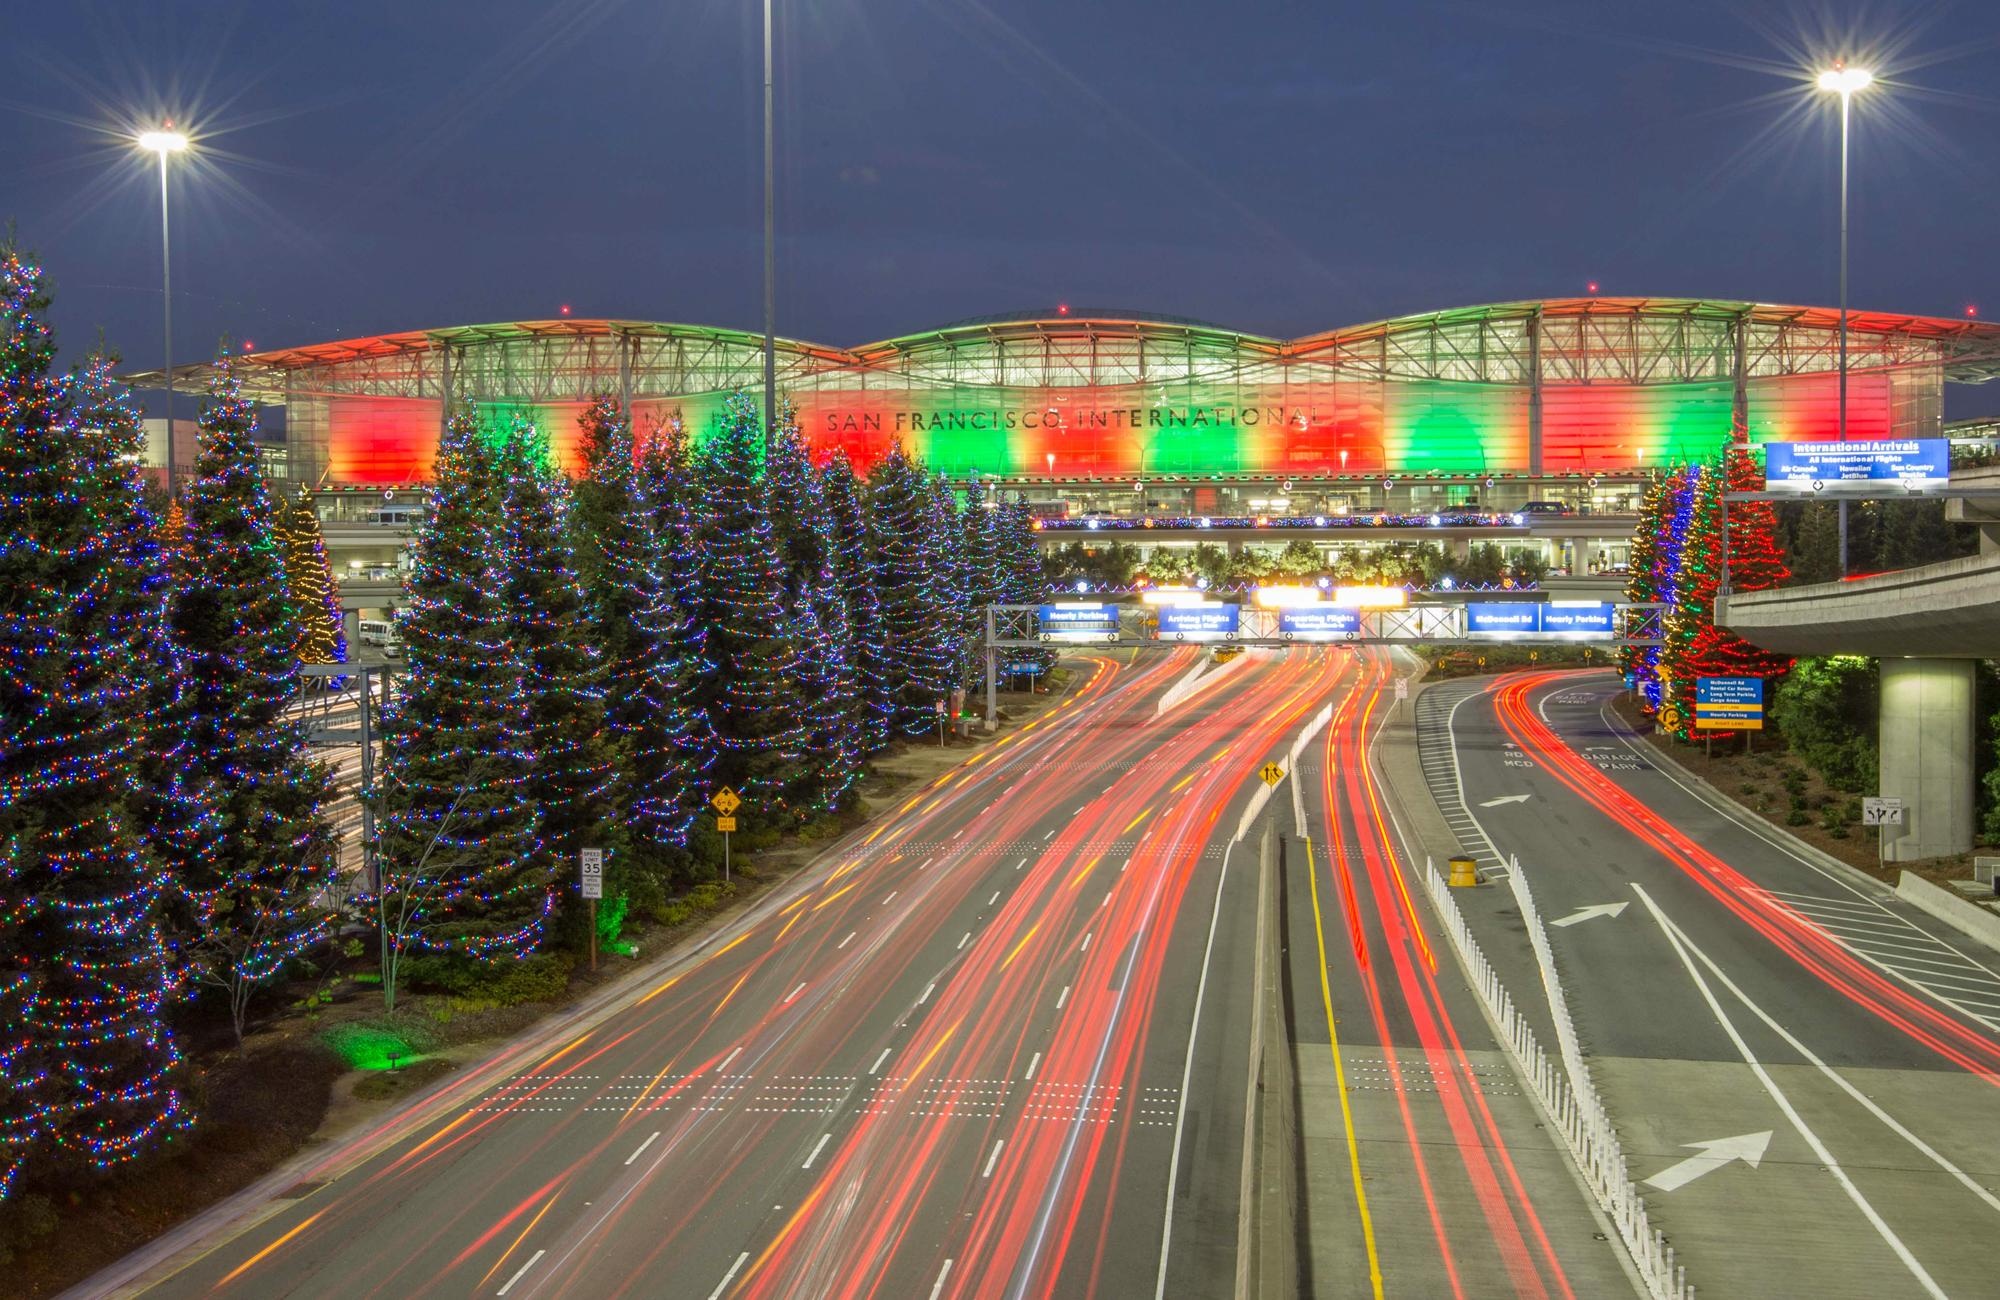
(1017, 947)
(518, 1240)
(1340, 1078)
(1134, 822)
(257, 1258)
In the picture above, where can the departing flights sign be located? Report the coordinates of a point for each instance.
(1856, 467)
(1729, 703)
(1198, 622)
(1313, 623)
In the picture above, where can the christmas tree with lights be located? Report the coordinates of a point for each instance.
(1024, 581)
(464, 870)
(750, 693)
(1642, 584)
(914, 585)
(672, 503)
(87, 1062)
(551, 624)
(1659, 546)
(873, 702)
(981, 524)
(830, 750)
(947, 542)
(625, 563)
(309, 580)
(246, 905)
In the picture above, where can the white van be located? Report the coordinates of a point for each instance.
(382, 634)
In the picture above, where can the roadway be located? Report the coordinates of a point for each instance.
(1801, 1067)
(995, 1046)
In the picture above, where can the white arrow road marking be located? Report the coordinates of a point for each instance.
(1715, 1153)
(1506, 798)
(1595, 909)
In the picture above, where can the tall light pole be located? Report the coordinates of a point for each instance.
(770, 257)
(1844, 81)
(166, 142)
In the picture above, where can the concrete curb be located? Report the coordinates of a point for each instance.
(1963, 915)
(1268, 1203)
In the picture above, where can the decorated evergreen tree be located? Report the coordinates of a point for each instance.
(1663, 547)
(914, 587)
(315, 596)
(551, 625)
(749, 691)
(1756, 560)
(980, 524)
(464, 870)
(1642, 582)
(626, 558)
(87, 1062)
(247, 905)
(854, 565)
(830, 749)
(1024, 581)
(947, 541)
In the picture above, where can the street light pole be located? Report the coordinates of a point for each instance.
(1844, 81)
(770, 256)
(164, 142)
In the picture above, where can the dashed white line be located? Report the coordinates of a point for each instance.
(794, 993)
(728, 1277)
(642, 1148)
(1032, 1064)
(738, 1051)
(1022, 863)
(996, 898)
(1050, 835)
(928, 988)
(878, 1060)
(964, 939)
(844, 942)
(521, 1271)
(993, 1159)
(937, 1287)
(892, 896)
(1064, 998)
(818, 1147)
(1107, 899)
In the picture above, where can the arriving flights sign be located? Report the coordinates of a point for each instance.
(1856, 467)
(1729, 703)
(1198, 622)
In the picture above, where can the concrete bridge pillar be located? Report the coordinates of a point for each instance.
(1927, 737)
(350, 627)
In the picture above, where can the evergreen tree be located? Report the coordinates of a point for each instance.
(979, 548)
(1026, 582)
(247, 905)
(464, 870)
(830, 749)
(315, 596)
(1642, 582)
(914, 590)
(1756, 561)
(573, 775)
(749, 694)
(626, 558)
(855, 567)
(947, 542)
(672, 504)
(87, 1062)
(1815, 553)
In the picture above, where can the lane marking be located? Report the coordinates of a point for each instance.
(844, 942)
(728, 1277)
(996, 898)
(1682, 945)
(927, 993)
(1085, 945)
(878, 1060)
(1022, 863)
(819, 1146)
(1049, 836)
(1031, 1066)
(642, 1147)
(937, 1287)
(727, 1059)
(994, 1158)
(521, 1271)
(1064, 998)
(794, 993)
(252, 1262)
(963, 940)
(891, 898)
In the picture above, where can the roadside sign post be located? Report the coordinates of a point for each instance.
(725, 802)
(592, 880)
(1271, 773)
(1728, 704)
(1402, 696)
(1878, 811)
(940, 723)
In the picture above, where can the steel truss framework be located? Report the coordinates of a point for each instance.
(1019, 627)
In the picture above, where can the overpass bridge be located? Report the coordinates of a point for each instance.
(1928, 626)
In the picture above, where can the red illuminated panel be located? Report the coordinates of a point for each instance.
(1806, 408)
(381, 440)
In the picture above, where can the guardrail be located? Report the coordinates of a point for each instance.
(1565, 1092)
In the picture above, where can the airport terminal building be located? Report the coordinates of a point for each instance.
(1125, 414)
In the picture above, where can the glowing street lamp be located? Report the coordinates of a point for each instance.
(166, 143)
(1845, 82)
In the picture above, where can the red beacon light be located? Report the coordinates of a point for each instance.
(1592, 286)
(1062, 309)
(563, 310)
(1971, 310)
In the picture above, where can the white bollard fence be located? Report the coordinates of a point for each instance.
(1566, 1092)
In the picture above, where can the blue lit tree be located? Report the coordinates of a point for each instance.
(854, 565)
(750, 690)
(246, 906)
(672, 503)
(914, 583)
(830, 735)
(464, 871)
(87, 1062)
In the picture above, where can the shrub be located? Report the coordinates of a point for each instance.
(540, 978)
(1827, 709)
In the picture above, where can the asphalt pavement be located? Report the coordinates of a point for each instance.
(958, 1056)
(1801, 1068)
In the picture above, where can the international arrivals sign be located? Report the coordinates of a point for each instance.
(1856, 468)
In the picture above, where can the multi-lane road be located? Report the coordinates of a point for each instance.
(996, 1045)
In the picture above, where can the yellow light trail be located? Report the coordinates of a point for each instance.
(1024, 943)
(549, 1205)
(258, 1258)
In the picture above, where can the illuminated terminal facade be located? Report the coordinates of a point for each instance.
(1562, 401)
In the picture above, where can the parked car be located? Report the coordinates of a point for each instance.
(1547, 508)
